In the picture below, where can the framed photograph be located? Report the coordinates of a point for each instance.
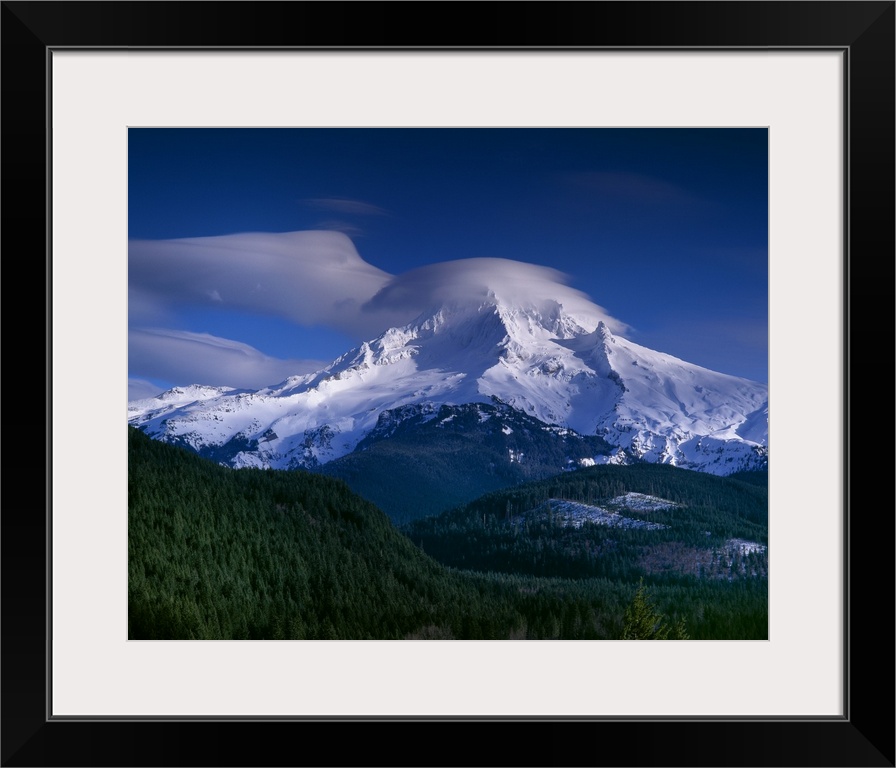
(108, 104)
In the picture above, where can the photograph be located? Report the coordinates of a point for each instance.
(448, 384)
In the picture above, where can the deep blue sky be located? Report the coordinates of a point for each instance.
(665, 228)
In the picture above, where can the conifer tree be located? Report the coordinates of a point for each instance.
(643, 622)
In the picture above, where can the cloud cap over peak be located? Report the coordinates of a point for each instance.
(312, 279)
(484, 279)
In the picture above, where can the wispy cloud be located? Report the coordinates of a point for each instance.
(630, 187)
(200, 358)
(345, 206)
(336, 225)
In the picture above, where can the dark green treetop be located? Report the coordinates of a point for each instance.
(643, 622)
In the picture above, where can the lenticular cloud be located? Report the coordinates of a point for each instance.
(188, 358)
(311, 278)
(509, 282)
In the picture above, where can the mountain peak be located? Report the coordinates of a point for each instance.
(520, 319)
(563, 367)
(603, 332)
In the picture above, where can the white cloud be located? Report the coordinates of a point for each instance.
(200, 358)
(514, 282)
(311, 278)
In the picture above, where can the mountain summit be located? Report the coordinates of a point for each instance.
(564, 368)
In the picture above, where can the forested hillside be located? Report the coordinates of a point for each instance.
(217, 553)
(702, 534)
(428, 463)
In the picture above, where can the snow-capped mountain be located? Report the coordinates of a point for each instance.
(552, 364)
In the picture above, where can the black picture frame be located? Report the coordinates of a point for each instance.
(864, 31)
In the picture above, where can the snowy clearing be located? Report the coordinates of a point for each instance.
(641, 502)
(574, 514)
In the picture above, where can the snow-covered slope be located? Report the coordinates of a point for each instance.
(559, 367)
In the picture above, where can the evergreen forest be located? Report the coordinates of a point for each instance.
(519, 530)
(219, 553)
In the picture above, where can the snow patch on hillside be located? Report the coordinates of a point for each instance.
(574, 514)
(641, 502)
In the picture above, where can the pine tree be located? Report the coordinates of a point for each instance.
(643, 622)
(680, 631)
